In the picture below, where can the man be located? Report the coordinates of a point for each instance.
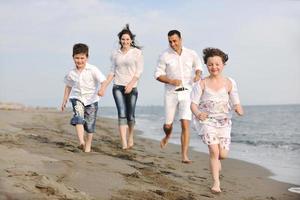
(178, 67)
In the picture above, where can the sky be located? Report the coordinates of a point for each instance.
(261, 37)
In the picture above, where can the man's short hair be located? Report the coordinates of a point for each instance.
(174, 32)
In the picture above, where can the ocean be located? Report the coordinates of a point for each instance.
(266, 135)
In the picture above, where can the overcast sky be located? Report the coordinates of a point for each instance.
(262, 38)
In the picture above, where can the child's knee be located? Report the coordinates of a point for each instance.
(223, 155)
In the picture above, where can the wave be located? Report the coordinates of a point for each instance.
(294, 146)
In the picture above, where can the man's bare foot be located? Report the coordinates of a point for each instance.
(187, 161)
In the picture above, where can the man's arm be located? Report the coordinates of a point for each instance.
(165, 79)
(197, 75)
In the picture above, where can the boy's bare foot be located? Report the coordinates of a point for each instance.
(130, 143)
(87, 149)
(81, 147)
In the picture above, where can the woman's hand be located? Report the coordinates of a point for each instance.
(101, 92)
(128, 88)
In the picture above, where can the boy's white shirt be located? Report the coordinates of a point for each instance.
(85, 84)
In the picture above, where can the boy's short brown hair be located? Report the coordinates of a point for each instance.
(80, 48)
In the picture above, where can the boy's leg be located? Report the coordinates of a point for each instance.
(80, 133)
(78, 120)
(90, 115)
(88, 142)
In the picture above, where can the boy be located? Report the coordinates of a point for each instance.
(81, 88)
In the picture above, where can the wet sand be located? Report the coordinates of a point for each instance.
(40, 160)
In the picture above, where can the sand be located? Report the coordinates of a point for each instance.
(40, 160)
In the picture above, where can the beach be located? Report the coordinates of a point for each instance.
(40, 160)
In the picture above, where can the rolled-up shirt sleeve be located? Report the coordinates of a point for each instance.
(98, 75)
(113, 64)
(161, 67)
(139, 64)
(68, 80)
(197, 64)
(233, 95)
(196, 93)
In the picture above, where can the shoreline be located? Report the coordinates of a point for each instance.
(40, 159)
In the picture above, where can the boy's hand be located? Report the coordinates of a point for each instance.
(63, 105)
(202, 116)
(239, 110)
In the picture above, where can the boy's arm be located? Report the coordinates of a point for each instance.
(104, 84)
(66, 96)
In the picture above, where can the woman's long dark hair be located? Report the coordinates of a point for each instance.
(126, 30)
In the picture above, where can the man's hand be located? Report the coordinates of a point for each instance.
(175, 82)
(197, 78)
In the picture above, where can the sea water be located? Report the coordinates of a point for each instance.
(266, 135)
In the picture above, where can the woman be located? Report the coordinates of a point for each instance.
(127, 67)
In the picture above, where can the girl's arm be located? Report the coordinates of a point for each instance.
(196, 99)
(66, 96)
(200, 115)
(239, 109)
(234, 97)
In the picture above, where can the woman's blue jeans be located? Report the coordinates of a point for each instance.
(125, 104)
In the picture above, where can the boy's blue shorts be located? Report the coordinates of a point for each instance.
(85, 115)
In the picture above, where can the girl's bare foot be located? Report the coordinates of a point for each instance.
(216, 188)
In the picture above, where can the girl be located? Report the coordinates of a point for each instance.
(212, 100)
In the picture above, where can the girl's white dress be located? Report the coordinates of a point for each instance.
(218, 104)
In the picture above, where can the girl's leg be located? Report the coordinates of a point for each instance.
(215, 166)
(119, 96)
(131, 99)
